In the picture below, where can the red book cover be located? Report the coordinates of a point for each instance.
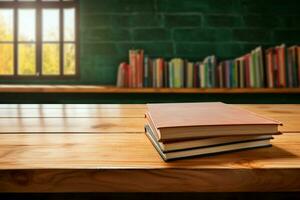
(282, 66)
(133, 68)
(129, 76)
(160, 77)
(277, 64)
(139, 68)
(126, 74)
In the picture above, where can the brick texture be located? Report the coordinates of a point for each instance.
(184, 28)
(180, 28)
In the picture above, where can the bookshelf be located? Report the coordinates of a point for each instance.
(115, 90)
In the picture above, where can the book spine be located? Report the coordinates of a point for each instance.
(241, 73)
(154, 73)
(261, 68)
(221, 80)
(270, 68)
(248, 71)
(182, 73)
(160, 69)
(146, 72)
(202, 74)
(235, 72)
(295, 68)
(190, 75)
(196, 77)
(227, 74)
(257, 70)
(177, 74)
(139, 68)
(166, 75)
(290, 68)
(171, 74)
(252, 71)
(282, 67)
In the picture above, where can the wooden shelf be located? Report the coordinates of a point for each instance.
(115, 90)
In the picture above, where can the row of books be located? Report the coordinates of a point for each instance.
(205, 128)
(277, 67)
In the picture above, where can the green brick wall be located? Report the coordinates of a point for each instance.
(185, 28)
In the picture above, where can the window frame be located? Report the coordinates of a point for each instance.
(38, 5)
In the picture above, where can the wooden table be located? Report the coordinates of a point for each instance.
(102, 148)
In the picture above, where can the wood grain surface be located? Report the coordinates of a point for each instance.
(110, 153)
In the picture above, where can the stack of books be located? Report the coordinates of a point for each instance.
(194, 129)
(276, 67)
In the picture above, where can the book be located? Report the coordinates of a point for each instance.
(172, 155)
(277, 67)
(139, 68)
(270, 68)
(204, 142)
(147, 72)
(178, 72)
(133, 68)
(189, 75)
(166, 83)
(122, 78)
(247, 70)
(199, 120)
(159, 72)
(292, 67)
(281, 64)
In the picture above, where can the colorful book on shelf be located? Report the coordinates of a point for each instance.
(166, 75)
(277, 67)
(122, 79)
(159, 70)
(178, 68)
(196, 75)
(132, 68)
(200, 120)
(257, 66)
(270, 68)
(147, 72)
(189, 78)
(292, 69)
(281, 64)
(246, 61)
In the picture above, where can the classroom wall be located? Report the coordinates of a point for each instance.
(177, 28)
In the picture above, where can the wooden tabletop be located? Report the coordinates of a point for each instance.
(102, 148)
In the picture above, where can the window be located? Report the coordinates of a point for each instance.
(38, 38)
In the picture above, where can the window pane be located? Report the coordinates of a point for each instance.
(69, 24)
(6, 59)
(69, 59)
(51, 59)
(27, 25)
(27, 59)
(51, 25)
(6, 25)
